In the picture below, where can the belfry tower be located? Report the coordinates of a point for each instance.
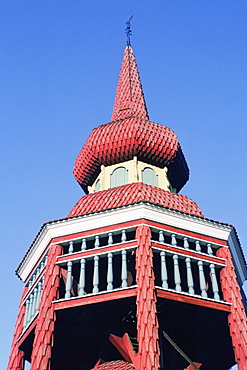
(135, 277)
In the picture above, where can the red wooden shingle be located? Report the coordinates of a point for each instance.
(114, 365)
(16, 359)
(237, 320)
(133, 193)
(147, 323)
(43, 339)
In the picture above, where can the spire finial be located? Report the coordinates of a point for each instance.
(128, 31)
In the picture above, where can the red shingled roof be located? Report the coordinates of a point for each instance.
(129, 98)
(115, 365)
(133, 193)
(130, 134)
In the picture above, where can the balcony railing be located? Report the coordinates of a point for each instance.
(105, 263)
(100, 272)
(186, 265)
(91, 268)
(193, 276)
(180, 241)
(32, 299)
(98, 241)
(181, 264)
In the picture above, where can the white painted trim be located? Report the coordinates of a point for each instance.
(129, 213)
(237, 258)
(187, 222)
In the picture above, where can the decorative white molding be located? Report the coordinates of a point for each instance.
(70, 226)
(237, 257)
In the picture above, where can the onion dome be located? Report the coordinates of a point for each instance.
(129, 134)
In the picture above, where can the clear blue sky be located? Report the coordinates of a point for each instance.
(59, 65)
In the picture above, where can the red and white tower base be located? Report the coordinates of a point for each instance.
(135, 277)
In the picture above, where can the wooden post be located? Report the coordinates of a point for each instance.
(124, 274)
(96, 275)
(177, 278)
(82, 277)
(109, 271)
(237, 319)
(148, 346)
(164, 277)
(43, 339)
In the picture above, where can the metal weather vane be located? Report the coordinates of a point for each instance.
(128, 31)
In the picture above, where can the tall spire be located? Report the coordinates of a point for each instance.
(129, 100)
(130, 134)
